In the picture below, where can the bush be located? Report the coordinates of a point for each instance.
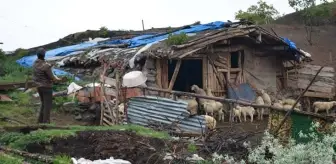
(320, 149)
(177, 39)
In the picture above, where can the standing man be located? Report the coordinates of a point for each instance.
(43, 78)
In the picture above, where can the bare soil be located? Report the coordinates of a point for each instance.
(105, 144)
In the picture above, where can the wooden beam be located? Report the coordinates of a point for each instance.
(233, 70)
(216, 72)
(176, 71)
(204, 74)
(219, 64)
(158, 73)
(319, 95)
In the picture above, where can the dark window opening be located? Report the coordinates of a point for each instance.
(190, 73)
(235, 59)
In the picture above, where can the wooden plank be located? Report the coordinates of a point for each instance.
(164, 75)
(176, 71)
(205, 70)
(219, 64)
(221, 83)
(158, 73)
(294, 84)
(232, 70)
(309, 71)
(316, 68)
(315, 83)
(106, 122)
(330, 80)
(319, 95)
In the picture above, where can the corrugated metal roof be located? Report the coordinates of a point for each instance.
(144, 109)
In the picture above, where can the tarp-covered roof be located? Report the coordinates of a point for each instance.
(131, 43)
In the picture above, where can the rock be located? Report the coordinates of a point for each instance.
(78, 117)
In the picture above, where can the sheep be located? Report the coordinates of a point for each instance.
(266, 97)
(246, 110)
(219, 107)
(199, 91)
(278, 104)
(210, 122)
(319, 105)
(291, 102)
(209, 107)
(121, 109)
(236, 114)
(260, 111)
(289, 107)
(192, 104)
(221, 116)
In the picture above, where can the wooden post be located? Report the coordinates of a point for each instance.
(204, 74)
(158, 73)
(117, 96)
(176, 71)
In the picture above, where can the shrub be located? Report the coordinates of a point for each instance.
(177, 39)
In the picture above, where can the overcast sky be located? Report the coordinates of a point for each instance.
(30, 23)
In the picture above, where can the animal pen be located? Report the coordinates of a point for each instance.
(219, 60)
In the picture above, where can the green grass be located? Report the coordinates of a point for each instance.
(63, 159)
(10, 71)
(20, 109)
(8, 159)
(20, 141)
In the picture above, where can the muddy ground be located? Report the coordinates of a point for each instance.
(105, 144)
(138, 149)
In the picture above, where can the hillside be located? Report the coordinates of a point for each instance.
(323, 39)
(297, 18)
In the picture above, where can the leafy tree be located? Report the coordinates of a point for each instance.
(262, 13)
(311, 13)
(103, 31)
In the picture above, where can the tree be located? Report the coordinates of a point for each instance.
(103, 31)
(262, 13)
(311, 13)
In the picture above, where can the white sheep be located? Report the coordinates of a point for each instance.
(246, 110)
(236, 114)
(266, 97)
(319, 106)
(289, 107)
(219, 107)
(221, 115)
(210, 122)
(192, 104)
(260, 111)
(209, 107)
(199, 91)
(291, 102)
(278, 104)
(121, 109)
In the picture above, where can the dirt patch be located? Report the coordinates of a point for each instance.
(105, 144)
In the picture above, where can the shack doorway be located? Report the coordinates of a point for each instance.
(190, 73)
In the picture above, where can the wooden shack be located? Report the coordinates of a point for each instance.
(221, 58)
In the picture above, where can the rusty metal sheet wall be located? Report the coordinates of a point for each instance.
(145, 109)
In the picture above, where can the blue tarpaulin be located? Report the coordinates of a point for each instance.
(134, 42)
(242, 92)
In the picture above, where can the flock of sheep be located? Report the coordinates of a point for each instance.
(213, 108)
(217, 109)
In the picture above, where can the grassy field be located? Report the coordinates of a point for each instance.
(10, 71)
